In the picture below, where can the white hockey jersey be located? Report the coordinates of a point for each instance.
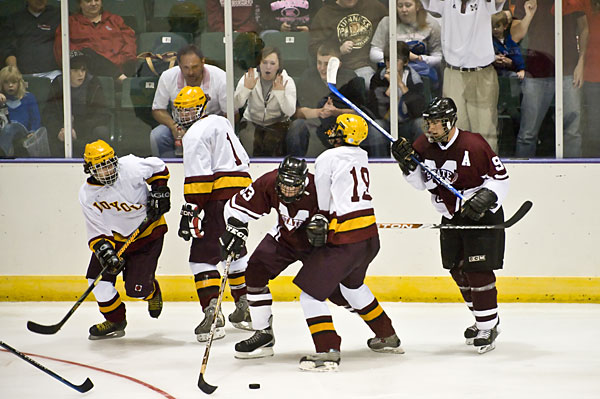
(114, 212)
(216, 164)
(342, 180)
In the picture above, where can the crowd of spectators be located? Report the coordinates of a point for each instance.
(463, 49)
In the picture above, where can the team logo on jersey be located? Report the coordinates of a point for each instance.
(447, 171)
(289, 222)
(476, 258)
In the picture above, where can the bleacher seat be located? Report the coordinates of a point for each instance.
(8, 7)
(134, 117)
(132, 12)
(161, 42)
(40, 88)
(293, 47)
(213, 47)
(162, 10)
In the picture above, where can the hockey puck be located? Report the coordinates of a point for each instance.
(254, 386)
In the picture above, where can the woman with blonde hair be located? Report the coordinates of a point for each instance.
(19, 112)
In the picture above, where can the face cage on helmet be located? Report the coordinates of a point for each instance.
(447, 125)
(187, 116)
(105, 172)
(290, 188)
(336, 132)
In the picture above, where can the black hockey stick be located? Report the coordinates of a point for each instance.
(203, 385)
(86, 386)
(53, 329)
(522, 211)
(332, 68)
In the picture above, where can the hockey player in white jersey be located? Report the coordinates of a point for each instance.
(115, 200)
(216, 167)
(342, 183)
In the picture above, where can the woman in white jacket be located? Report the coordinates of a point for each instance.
(269, 94)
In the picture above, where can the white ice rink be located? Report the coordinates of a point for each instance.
(544, 351)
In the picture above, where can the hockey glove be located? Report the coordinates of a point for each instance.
(476, 206)
(233, 241)
(402, 151)
(317, 229)
(159, 202)
(107, 256)
(190, 225)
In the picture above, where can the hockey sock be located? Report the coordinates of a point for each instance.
(207, 286)
(155, 290)
(320, 324)
(260, 301)
(369, 309)
(463, 285)
(485, 299)
(237, 284)
(113, 310)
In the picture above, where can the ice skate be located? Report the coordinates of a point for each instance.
(322, 361)
(155, 304)
(389, 344)
(202, 331)
(107, 330)
(240, 318)
(257, 346)
(470, 334)
(486, 339)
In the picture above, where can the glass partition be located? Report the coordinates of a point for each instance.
(125, 74)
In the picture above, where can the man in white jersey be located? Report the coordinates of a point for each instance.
(342, 183)
(115, 200)
(469, 77)
(477, 172)
(216, 168)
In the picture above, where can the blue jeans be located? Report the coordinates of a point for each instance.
(8, 134)
(591, 134)
(162, 142)
(537, 98)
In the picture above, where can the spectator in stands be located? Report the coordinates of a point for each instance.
(103, 37)
(191, 71)
(469, 77)
(29, 39)
(286, 15)
(509, 60)
(23, 115)
(352, 23)
(89, 111)
(314, 104)
(269, 95)
(243, 15)
(420, 31)
(534, 20)
(411, 97)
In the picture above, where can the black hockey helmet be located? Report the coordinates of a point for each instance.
(440, 109)
(291, 179)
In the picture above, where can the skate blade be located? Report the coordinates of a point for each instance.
(255, 354)
(486, 348)
(219, 333)
(243, 325)
(115, 334)
(312, 366)
(399, 350)
(469, 341)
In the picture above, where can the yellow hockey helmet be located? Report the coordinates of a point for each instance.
(189, 106)
(101, 162)
(352, 129)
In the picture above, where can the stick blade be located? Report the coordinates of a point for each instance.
(86, 386)
(41, 329)
(519, 214)
(332, 68)
(204, 386)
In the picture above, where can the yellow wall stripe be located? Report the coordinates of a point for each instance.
(373, 314)
(385, 288)
(321, 327)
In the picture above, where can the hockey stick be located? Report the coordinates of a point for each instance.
(53, 329)
(332, 68)
(203, 385)
(522, 211)
(86, 386)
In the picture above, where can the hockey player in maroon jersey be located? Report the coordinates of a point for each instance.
(216, 167)
(467, 161)
(342, 184)
(115, 200)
